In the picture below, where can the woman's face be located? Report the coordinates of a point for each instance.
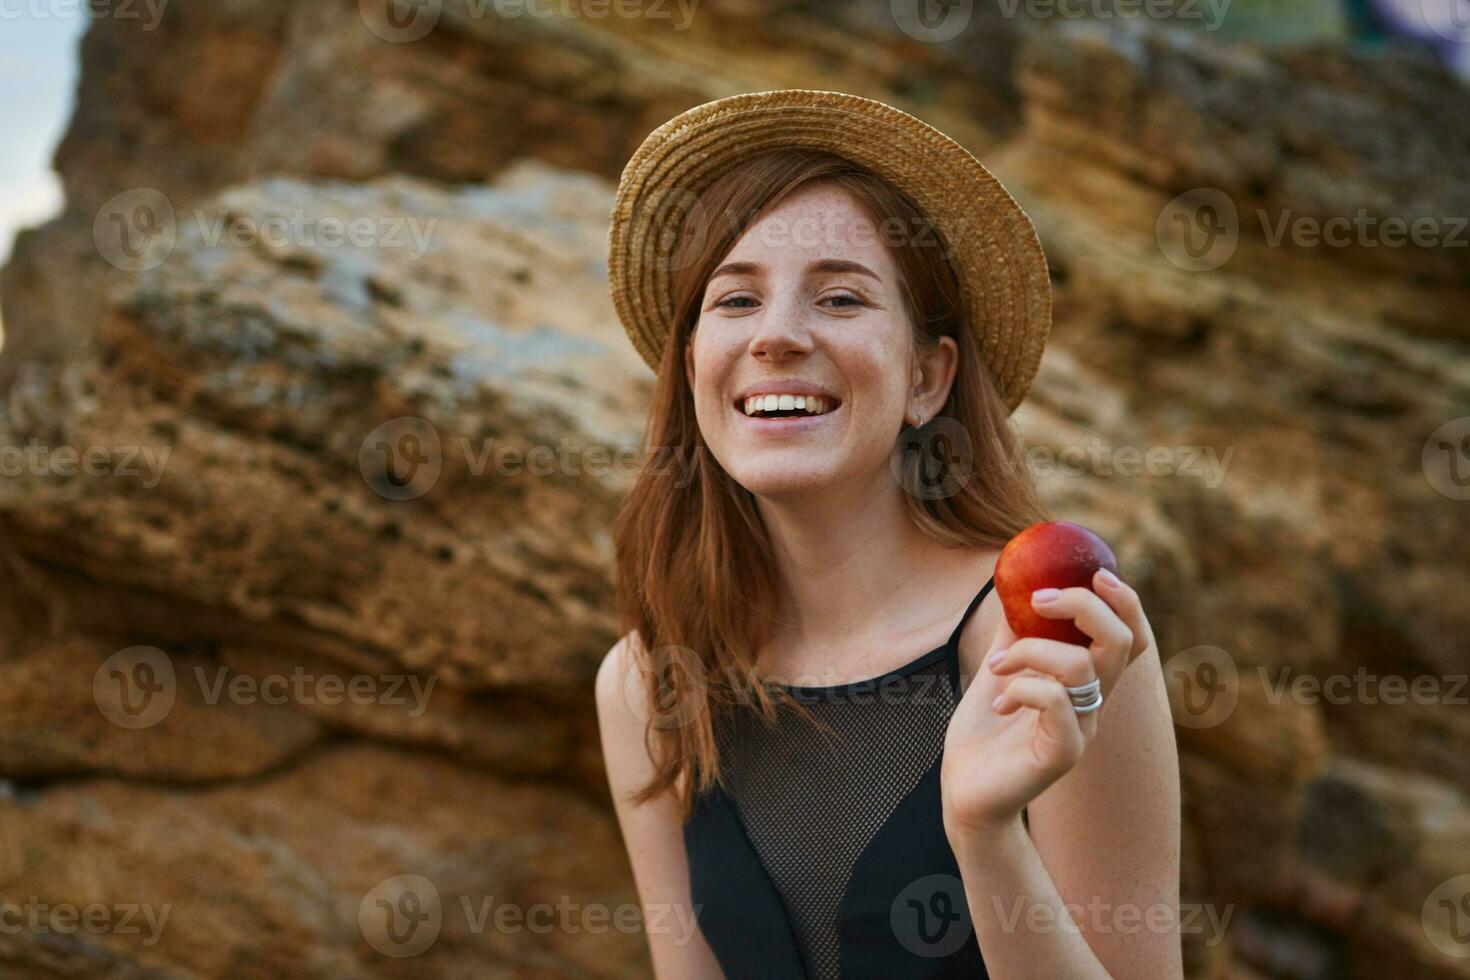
(805, 305)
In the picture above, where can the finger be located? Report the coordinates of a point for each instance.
(1125, 602)
(1066, 662)
(1092, 615)
(1051, 699)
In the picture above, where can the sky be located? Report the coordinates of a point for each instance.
(38, 69)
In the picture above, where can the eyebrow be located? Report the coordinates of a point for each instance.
(820, 265)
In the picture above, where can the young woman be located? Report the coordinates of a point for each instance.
(829, 754)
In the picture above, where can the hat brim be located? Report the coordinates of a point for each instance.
(991, 243)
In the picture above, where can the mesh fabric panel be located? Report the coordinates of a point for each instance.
(811, 801)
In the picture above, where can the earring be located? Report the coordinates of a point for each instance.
(918, 421)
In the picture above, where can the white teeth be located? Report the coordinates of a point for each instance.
(811, 404)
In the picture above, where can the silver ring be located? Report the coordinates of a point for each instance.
(1081, 695)
(1088, 706)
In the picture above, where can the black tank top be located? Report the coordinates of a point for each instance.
(827, 858)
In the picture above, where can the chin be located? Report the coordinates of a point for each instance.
(775, 481)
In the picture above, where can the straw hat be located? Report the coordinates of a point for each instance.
(992, 244)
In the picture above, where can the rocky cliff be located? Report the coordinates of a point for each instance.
(203, 494)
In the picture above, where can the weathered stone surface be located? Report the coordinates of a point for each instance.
(250, 380)
(53, 725)
(266, 878)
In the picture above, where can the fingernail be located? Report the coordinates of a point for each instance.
(996, 702)
(997, 656)
(1045, 595)
(1108, 577)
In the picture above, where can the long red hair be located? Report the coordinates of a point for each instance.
(696, 580)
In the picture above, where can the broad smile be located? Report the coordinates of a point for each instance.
(786, 412)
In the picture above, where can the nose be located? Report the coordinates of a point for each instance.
(781, 330)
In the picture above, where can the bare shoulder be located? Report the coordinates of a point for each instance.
(979, 631)
(616, 689)
(622, 719)
(623, 715)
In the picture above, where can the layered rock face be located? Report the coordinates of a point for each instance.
(331, 457)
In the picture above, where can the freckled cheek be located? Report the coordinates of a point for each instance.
(872, 375)
(714, 358)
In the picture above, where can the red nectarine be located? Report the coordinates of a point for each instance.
(1050, 555)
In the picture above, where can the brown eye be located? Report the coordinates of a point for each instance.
(857, 300)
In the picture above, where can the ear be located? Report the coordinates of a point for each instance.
(933, 376)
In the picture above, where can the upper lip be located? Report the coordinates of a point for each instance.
(785, 388)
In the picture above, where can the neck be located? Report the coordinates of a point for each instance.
(847, 558)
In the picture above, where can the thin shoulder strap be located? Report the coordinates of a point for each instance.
(954, 637)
